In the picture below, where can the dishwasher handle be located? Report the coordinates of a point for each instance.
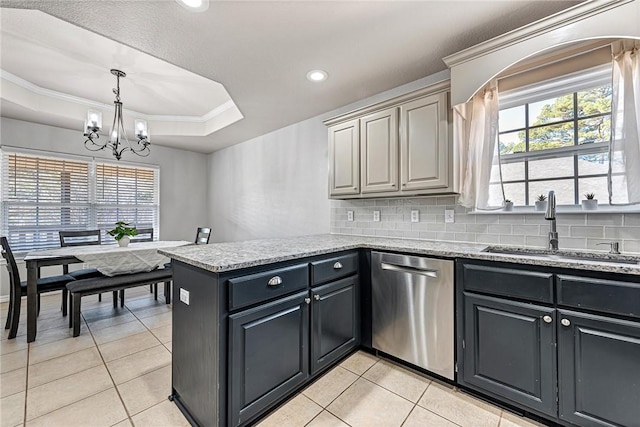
(407, 269)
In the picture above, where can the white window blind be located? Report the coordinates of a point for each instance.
(42, 195)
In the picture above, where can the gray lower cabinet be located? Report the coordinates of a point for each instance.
(268, 354)
(599, 362)
(509, 350)
(335, 326)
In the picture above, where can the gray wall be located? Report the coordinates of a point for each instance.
(276, 185)
(183, 175)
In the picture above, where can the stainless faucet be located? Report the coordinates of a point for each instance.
(550, 215)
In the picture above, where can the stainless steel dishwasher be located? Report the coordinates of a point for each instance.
(413, 310)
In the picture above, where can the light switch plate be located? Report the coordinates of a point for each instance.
(349, 215)
(376, 216)
(449, 215)
(415, 215)
(184, 296)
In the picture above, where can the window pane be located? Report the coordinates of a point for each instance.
(552, 136)
(591, 164)
(515, 193)
(551, 168)
(598, 186)
(563, 188)
(512, 142)
(511, 118)
(594, 101)
(513, 172)
(596, 129)
(551, 110)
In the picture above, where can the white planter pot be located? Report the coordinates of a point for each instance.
(124, 242)
(508, 206)
(541, 205)
(590, 205)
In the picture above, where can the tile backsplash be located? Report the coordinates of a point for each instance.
(576, 230)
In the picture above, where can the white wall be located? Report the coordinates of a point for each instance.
(183, 176)
(275, 185)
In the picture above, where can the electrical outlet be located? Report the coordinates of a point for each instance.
(415, 215)
(376, 216)
(184, 296)
(449, 215)
(349, 215)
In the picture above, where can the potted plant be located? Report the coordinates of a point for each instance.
(122, 233)
(508, 205)
(590, 203)
(541, 203)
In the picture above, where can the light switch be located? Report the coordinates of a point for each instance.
(349, 215)
(376, 216)
(184, 296)
(415, 215)
(449, 215)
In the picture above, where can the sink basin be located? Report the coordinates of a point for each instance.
(564, 255)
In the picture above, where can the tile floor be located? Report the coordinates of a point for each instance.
(118, 373)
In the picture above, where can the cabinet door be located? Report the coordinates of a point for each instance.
(509, 350)
(268, 355)
(379, 151)
(599, 370)
(344, 159)
(424, 143)
(335, 327)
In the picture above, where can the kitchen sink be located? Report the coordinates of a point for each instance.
(564, 255)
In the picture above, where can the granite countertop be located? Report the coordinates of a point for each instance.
(220, 257)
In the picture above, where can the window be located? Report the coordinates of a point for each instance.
(42, 195)
(555, 135)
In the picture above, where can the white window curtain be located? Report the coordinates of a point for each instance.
(476, 136)
(624, 152)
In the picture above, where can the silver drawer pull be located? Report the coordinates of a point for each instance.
(307, 300)
(316, 297)
(275, 281)
(337, 265)
(547, 319)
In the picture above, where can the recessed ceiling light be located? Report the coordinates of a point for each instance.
(317, 75)
(194, 5)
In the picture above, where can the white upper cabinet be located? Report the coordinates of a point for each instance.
(403, 148)
(344, 159)
(379, 151)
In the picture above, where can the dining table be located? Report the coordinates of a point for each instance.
(109, 259)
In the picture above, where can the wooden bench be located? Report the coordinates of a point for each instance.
(79, 288)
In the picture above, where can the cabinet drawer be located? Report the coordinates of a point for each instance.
(334, 268)
(609, 296)
(254, 288)
(509, 282)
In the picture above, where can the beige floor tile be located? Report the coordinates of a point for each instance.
(13, 382)
(56, 322)
(157, 321)
(12, 410)
(513, 420)
(59, 367)
(420, 417)
(57, 334)
(359, 362)
(326, 419)
(163, 414)
(169, 345)
(379, 408)
(40, 353)
(65, 391)
(399, 380)
(458, 407)
(324, 390)
(11, 346)
(102, 409)
(146, 311)
(163, 333)
(113, 350)
(123, 423)
(137, 364)
(13, 361)
(117, 332)
(296, 412)
(105, 321)
(146, 391)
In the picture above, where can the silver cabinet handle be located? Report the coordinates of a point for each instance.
(412, 270)
(547, 319)
(275, 281)
(565, 322)
(316, 297)
(307, 300)
(337, 265)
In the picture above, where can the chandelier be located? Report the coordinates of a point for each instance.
(118, 141)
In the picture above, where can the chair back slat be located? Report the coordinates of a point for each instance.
(80, 238)
(144, 235)
(12, 267)
(202, 235)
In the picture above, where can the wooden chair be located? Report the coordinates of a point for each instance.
(144, 235)
(18, 289)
